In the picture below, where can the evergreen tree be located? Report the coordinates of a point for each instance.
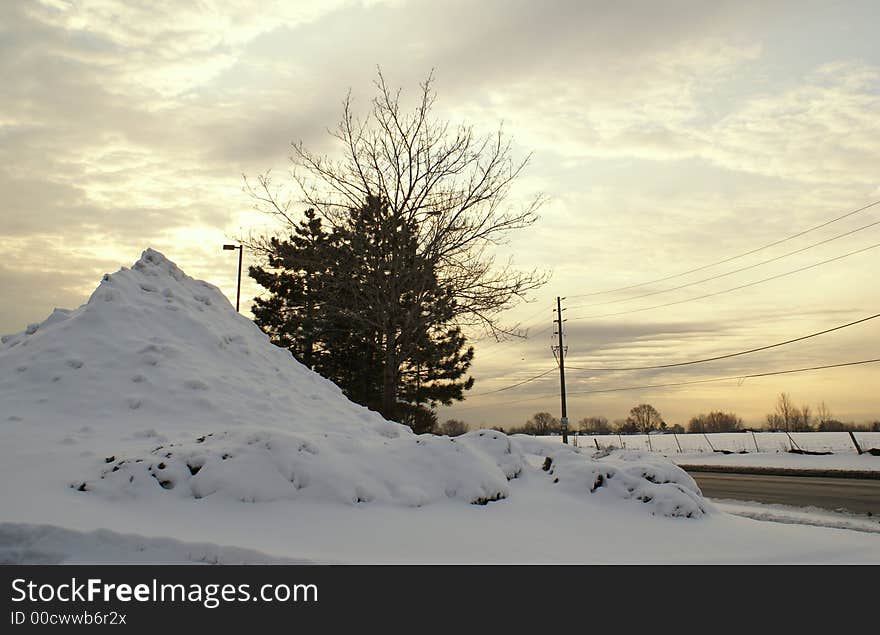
(358, 305)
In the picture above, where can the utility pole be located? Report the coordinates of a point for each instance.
(240, 254)
(559, 322)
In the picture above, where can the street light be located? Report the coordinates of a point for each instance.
(240, 252)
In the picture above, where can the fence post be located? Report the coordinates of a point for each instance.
(755, 439)
(708, 441)
(677, 443)
(855, 443)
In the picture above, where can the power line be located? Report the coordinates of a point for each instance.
(742, 286)
(503, 346)
(739, 377)
(515, 338)
(753, 350)
(686, 383)
(526, 381)
(730, 273)
(742, 255)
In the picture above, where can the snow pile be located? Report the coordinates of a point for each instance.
(158, 387)
(265, 465)
(201, 404)
(664, 487)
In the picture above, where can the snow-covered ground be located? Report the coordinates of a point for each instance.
(536, 525)
(154, 423)
(815, 516)
(696, 449)
(831, 462)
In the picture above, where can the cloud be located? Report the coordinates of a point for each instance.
(818, 129)
(821, 130)
(665, 134)
(45, 288)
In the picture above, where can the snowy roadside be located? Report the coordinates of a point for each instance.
(813, 516)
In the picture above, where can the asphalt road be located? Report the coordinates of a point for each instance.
(855, 495)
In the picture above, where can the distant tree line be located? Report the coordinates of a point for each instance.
(645, 419)
(715, 421)
(787, 417)
(642, 419)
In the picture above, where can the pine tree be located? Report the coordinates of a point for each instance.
(297, 270)
(357, 304)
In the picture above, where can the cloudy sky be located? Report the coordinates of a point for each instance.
(666, 136)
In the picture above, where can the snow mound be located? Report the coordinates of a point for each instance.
(260, 466)
(181, 394)
(665, 488)
(158, 387)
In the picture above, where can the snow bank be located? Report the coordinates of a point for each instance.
(160, 388)
(263, 465)
(22, 543)
(665, 488)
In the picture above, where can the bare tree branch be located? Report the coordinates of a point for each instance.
(450, 184)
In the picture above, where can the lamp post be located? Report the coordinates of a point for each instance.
(240, 253)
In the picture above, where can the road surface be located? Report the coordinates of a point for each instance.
(860, 496)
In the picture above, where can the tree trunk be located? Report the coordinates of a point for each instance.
(389, 378)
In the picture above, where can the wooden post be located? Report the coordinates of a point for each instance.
(708, 441)
(855, 443)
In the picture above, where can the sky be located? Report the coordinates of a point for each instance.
(664, 136)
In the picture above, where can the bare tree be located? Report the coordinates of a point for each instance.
(625, 426)
(789, 417)
(804, 419)
(715, 421)
(823, 414)
(784, 416)
(448, 183)
(595, 425)
(431, 194)
(645, 418)
(541, 423)
(452, 428)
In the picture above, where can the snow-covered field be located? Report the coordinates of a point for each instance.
(697, 449)
(155, 424)
(746, 442)
(831, 462)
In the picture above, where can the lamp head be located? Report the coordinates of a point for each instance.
(229, 247)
